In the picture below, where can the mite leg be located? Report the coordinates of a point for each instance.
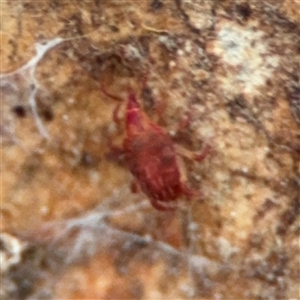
(106, 93)
(190, 193)
(134, 187)
(160, 206)
(197, 156)
(160, 108)
(116, 111)
(185, 122)
(116, 153)
(116, 116)
(187, 191)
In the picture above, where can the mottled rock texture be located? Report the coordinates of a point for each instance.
(71, 226)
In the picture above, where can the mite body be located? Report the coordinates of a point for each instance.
(153, 158)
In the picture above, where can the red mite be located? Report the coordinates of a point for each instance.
(153, 158)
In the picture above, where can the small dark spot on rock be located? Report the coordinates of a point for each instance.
(19, 111)
(47, 115)
(269, 83)
(144, 42)
(86, 159)
(280, 230)
(156, 4)
(97, 3)
(28, 5)
(3, 247)
(219, 224)
(290, 25)
(267, 205)
(25, 288)
(288, 217)
(236, 107)
(23, 277)
(55, 5)
(240, 101)
(244, 10)
(148, 99)
(114, 28)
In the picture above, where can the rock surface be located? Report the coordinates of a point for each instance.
(71, 226)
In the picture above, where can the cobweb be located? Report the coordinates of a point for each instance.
(21, 85)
